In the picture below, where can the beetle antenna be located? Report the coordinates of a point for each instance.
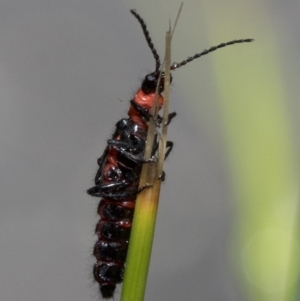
(211, 49)
(148, 39)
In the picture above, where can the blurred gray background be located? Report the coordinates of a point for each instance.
(67, 72)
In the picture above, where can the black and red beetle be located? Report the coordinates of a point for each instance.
(117, 179)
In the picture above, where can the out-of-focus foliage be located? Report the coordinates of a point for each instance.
(261, 159)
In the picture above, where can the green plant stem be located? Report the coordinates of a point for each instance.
(142, 233)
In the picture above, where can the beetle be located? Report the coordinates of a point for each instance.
(119, 170)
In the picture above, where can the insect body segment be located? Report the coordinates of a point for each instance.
(118, 175)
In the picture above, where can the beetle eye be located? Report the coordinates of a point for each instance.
(150, 77)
